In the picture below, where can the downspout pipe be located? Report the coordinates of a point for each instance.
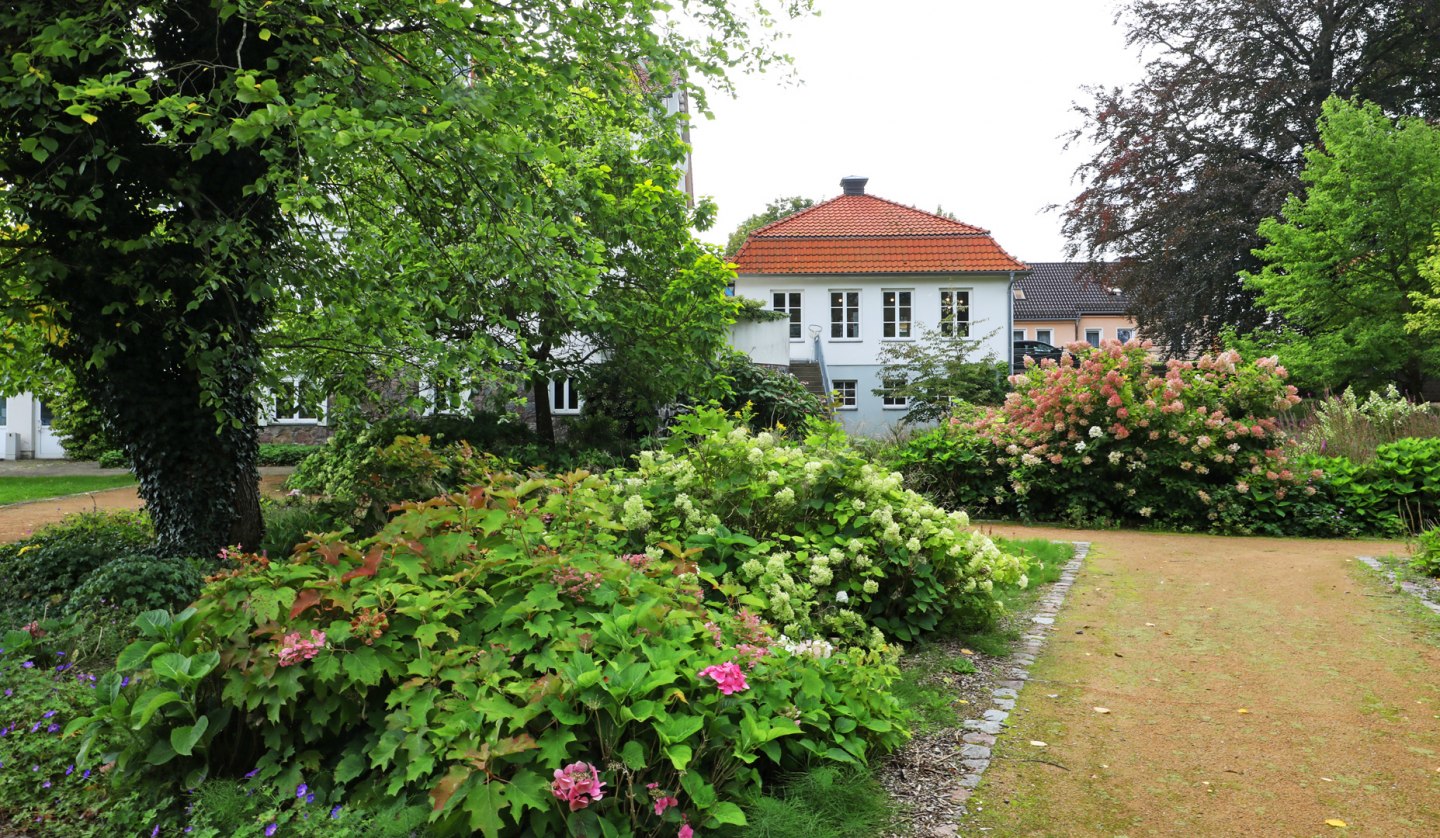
(1010, 327)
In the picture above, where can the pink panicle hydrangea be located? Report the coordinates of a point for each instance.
(685, 831)
(728, 677)
(578, 785)
(294, 650)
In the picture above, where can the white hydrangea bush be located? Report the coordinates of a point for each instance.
(822, 542)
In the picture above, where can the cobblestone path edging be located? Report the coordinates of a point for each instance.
(981, 733)
(1408, 587)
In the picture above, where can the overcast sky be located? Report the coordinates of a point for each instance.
(956, 103)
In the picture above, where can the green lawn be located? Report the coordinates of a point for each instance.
(16, 489)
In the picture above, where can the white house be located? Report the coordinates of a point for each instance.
(858, 271)
(25, 429)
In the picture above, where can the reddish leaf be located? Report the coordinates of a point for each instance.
(370, 566)
(304, 600)
(445, 789)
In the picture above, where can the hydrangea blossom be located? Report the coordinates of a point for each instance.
(728, 677)
(294, 649)
(578, 785)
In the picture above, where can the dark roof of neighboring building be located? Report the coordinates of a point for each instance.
(858, 233)
(1058, 291)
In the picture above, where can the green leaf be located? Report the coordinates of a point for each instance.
(633, 755)
(183, 739)
(679, 756)
(149, 704)
(727, 813)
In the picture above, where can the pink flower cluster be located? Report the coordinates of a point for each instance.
(662, 800)
(750, 632)
(639, 561)
(578, 785)
(573, 583)
(727, 676)
(295, 650)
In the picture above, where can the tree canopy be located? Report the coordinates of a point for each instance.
(1190, 159)
(1343, 260)
(186, 182)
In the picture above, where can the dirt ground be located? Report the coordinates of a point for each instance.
(1253, 686)
(21, 519)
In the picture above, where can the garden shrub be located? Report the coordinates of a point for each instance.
(138, 582)
(827, 544)
(1347, 426)
(289, 522)
(772, 398)
(112, 458)
(284, 453)
(38, 573)
(1101, 437)
(495, 650)
(1396, 491)
(1425, 555)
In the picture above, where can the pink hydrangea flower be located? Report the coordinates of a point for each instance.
(578, 784)
(662, 801)
(728, 677)
(685, 831)
(294, 650)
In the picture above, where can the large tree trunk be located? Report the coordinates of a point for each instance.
(544, 419)
(197, 472)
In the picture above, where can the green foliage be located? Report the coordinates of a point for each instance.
(236, 190)
(20, 489)
(477, 644)
(290, 523)
(1101, 437)
(936, 370)
(41, 788)
(826, 802)
(38, 573)
(284, 453)
(112, 459)
(78, 424)
(1395, 492)
(139, 582)
(1342, 262)
(770, 398)
(1425, 555)
(826, 543)
(1345, 426)
(774, 211)
(246, 808)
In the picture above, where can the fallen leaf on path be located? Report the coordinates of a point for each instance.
(1242, 711)
(1102, 709)
(1335, 822)
(1037, 743)
(1057, 695)
(1151, 625)
(1328, 780)
(966, 652)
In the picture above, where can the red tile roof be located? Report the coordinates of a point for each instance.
(866, 234)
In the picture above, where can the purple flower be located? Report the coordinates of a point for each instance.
(48, 714)
(155, 831)
(301, 789)
(125, 682)
(310, 798)
(270, 830)
(252, 772)
(28, 664)
(52, 728)
(86, 775)
(335, 812)
(9, 692)
(45, 785)
(70, 770)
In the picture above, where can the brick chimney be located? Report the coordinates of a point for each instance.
(854, 185)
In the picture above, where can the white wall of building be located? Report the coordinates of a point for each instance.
(857, 359)
(26, 418)
(766, 342)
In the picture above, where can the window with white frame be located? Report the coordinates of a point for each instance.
(889, 398)
(898, 307)
(955, 312)
(4, 411)
(1124, 335)
(1017, 334)
(445, 396)
(296, 401)
(564, 398)
(1045, 336)
(846, 394)
(788, 303)
(1092, 337)
(844, 315)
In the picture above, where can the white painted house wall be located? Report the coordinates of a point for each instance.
(857, 359)
(25, 417)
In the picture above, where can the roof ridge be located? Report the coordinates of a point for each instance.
(758, 230)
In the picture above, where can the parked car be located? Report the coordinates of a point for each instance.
(1039, 350)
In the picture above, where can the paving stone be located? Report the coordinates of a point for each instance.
(975, 737)
(1005, 703)
(974, 752)
(976, 765)
(1004, 692)
(1044, 621)
(994, 715)
(970, 781)
(958, 796)
(992, 728)
(1011, 684)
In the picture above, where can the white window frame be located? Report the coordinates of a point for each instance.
(850, 315)
(1017, 334)
(430, 395)
(1045, 336)
(795, 304)
(1127, 338)
(847, 393)
(563, 394)
(949, 321)
(889, 402)
(1099, 336)
(897, 318)
(298, 382)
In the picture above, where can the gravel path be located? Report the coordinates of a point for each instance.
(1197, 685)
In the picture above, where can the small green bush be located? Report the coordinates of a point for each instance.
(290, 523)
(139, 582)
(284, 453)
(38, 573)
(1425, 555)
(770, 398)
(112, 458)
